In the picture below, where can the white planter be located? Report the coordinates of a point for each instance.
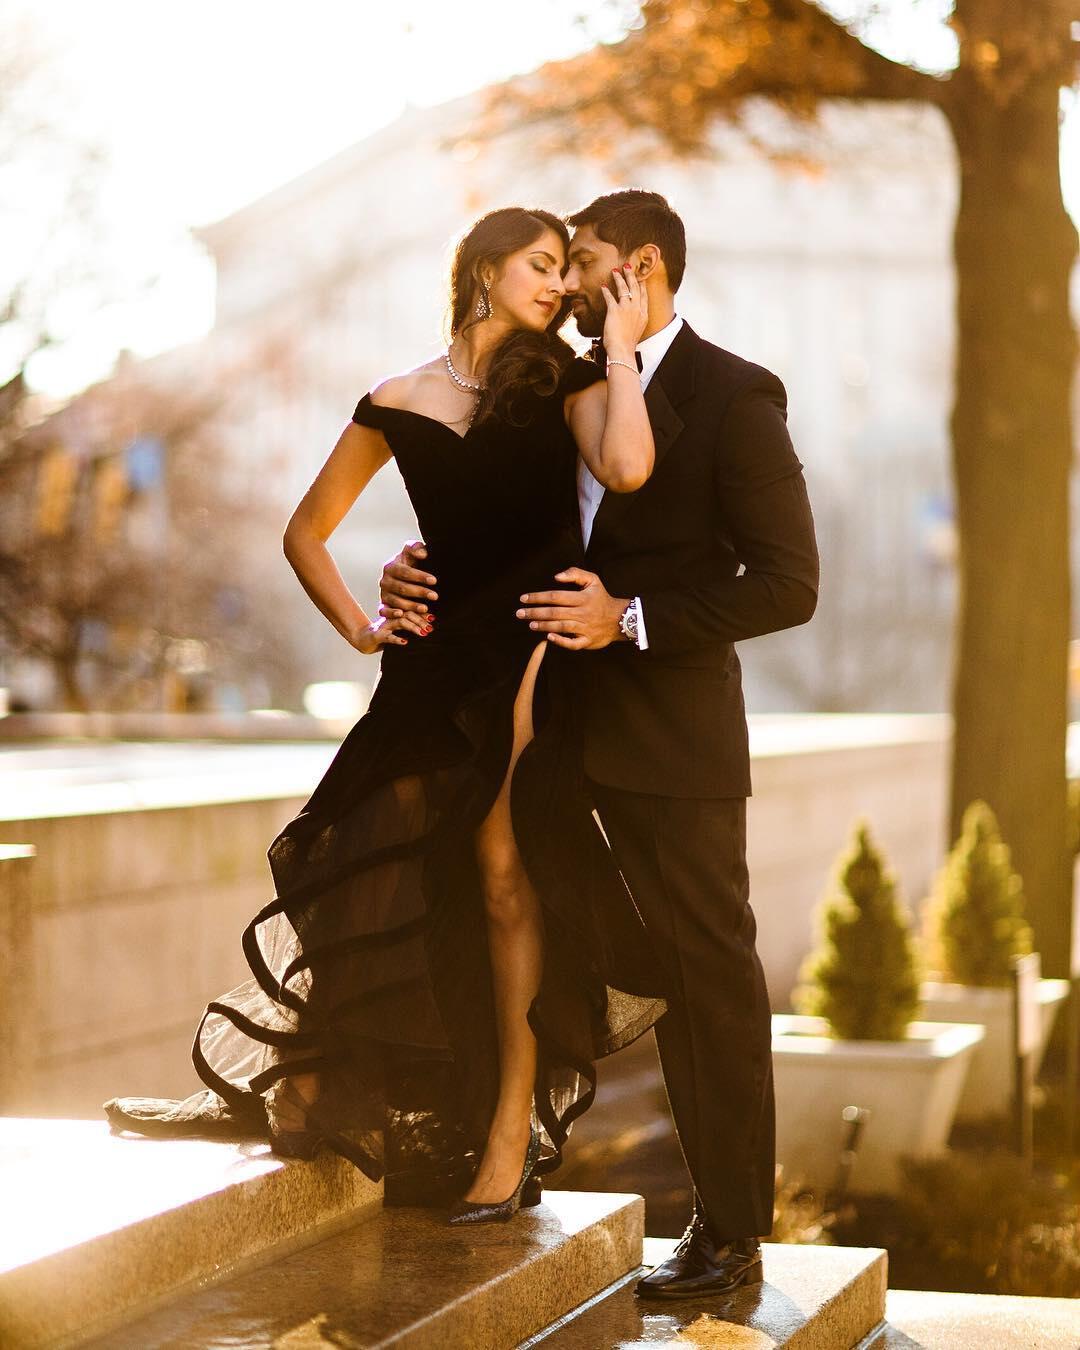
(910, 1087)
(989, 1085)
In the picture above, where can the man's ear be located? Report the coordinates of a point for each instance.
(648, 256)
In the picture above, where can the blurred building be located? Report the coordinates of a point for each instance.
(822, 253)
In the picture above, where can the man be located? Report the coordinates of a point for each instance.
(658, 609)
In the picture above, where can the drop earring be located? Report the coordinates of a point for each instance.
(483, 304)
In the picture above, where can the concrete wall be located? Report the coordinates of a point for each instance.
(128, 921)
(135, 924)
(16, 971)
(804, 807)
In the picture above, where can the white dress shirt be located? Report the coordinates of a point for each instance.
(590, 492)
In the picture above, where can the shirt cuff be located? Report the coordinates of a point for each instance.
(642, 635)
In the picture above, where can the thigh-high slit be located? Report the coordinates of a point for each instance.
(515, 923)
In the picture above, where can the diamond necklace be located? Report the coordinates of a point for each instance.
(462, 383)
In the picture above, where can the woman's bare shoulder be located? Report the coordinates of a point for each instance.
(400, 391)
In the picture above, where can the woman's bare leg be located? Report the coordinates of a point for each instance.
(515, 941)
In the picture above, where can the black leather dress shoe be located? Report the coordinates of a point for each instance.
(701, 1265)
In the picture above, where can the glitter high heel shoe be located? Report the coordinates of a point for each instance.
(533, 1193)
(468, 1211)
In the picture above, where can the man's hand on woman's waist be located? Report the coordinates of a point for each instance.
(404, 588)
(582, 620)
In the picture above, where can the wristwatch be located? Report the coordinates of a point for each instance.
(630, 622)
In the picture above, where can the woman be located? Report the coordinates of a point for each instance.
(450, 942)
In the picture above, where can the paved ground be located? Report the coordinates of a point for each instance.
(933, 1321)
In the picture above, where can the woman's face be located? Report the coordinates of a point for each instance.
(527, 290)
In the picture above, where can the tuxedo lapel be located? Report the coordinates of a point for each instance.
(671, 385)
(663, 418)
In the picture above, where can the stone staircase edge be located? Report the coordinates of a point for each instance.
(30, 1290)
(870, 1281)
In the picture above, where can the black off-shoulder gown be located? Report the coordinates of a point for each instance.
(370, 966)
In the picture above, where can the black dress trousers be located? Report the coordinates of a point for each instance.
(684, 861)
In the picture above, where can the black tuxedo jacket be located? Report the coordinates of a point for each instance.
(727, 489)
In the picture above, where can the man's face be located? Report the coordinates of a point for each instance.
(592, 262)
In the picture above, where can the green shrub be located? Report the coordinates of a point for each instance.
(974, 923)
(863, 978)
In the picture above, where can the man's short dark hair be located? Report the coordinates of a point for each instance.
(633, 217)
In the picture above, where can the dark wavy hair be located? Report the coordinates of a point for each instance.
(634, 217)
(526, 366)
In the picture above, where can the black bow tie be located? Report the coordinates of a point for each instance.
(599, 355)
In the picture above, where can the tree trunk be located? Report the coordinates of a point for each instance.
(1015, 248)
(65, 667)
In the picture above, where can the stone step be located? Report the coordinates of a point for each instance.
(99, 1227)
(977, 1322)
(407, 1279)
(813, 1298)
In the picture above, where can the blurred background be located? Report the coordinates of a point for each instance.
(223, 223)
(209, 258)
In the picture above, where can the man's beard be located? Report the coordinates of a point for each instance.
(589, 320)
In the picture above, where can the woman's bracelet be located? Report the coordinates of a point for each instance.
(613, 362)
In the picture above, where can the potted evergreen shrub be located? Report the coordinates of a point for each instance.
(973, 926)
(854, 1040)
